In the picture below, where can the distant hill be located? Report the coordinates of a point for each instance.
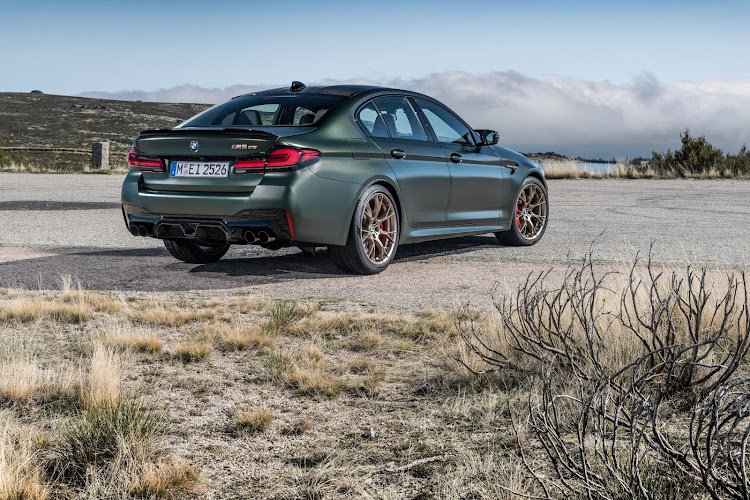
(39, 120)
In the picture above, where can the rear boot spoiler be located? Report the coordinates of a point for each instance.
(229, 131)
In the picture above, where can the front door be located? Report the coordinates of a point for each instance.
(476, 175)
(421, 167)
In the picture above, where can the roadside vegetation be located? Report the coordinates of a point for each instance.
(637, 381)
(582, 383)
(696, 159)
(699, 158)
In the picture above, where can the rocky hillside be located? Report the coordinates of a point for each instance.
(36, 120)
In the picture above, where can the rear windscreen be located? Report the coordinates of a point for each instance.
(297, 110)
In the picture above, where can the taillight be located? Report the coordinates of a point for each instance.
(283, 158)
(139, 161)
(250, 164)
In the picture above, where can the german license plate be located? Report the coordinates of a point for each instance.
(198, 169)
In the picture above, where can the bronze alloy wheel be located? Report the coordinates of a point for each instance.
(531, 211)
(379, 228)
(373, 236)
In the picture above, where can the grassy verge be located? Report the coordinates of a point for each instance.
(571, 169)
(190, 395)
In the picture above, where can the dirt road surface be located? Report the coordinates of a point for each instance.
(51, 225)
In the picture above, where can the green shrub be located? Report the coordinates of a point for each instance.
(739, 164)
(698, 157)
(100, 435)
(281, 315)
(6, 158)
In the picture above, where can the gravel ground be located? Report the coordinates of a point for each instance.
(71, 224)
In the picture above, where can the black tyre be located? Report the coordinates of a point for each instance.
(194, 253)
(530, 221)
(373, 235)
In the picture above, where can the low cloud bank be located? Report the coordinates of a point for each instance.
(565, 115)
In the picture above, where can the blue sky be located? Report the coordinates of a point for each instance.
(585, 77)
(72, 47)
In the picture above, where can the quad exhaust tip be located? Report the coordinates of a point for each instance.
(250, 237)
(264, 237)
(137, 230)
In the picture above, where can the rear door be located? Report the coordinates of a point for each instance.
(476, 175)
(420, 166)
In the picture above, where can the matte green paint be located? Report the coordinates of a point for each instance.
(437, 198)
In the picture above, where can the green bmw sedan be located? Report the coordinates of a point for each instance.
(358, 169)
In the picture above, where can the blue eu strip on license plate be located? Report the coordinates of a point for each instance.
(173, 169)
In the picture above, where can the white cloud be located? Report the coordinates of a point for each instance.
(560, 114)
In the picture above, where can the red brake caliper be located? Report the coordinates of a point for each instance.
(519, 208)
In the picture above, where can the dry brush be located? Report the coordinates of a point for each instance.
(636, 391)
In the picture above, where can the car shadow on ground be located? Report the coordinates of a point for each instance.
(154, 269)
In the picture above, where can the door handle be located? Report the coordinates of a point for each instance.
(398, 154)
(456, 158)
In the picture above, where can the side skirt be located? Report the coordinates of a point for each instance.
(410, 235)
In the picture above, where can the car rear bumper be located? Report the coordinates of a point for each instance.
(293, 207)
(249, 227)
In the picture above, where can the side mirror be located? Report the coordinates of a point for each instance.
(488, 137)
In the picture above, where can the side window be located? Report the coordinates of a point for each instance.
(400, 119)
(303, 116)
(372, 121)
(228, 120)
(447, 127)
(262, 114)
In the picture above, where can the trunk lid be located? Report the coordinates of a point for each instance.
(204, 145)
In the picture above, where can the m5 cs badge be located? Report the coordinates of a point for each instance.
(243, 146)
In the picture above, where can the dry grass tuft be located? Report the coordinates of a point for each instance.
(298, 427)
(104, 378)
(125, 339)
(20, 477)
(315, 381)
(161, 314)
(373, 330)
(163, 479)
(193, 351)
(308, 372)
(252, 421)
(282, 314)
(358, 365)
(368, 340)
(334, 477)
(20, 379)
(73, 305)
(72, 292)
(485, 475)
(28, 309)
(107, 442)
(277, 366)
(237, 337)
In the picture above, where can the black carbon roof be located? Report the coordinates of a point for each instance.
(339, 90)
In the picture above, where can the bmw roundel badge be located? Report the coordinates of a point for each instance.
(194, 146)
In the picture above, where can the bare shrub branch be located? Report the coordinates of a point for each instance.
(630, 370)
